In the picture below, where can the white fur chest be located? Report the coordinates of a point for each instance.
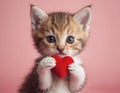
(53, 84)
(59, 86)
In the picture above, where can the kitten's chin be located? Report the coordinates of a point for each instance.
(59, 54)
(63, 54)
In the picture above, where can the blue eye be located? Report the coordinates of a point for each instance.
(70, 39)
(51, 39)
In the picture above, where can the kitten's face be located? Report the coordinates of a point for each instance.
(59, 33)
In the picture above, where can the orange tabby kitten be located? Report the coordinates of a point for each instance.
(63, 34)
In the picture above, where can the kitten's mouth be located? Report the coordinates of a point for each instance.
(61, 54)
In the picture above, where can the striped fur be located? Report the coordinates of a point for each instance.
(61, 26)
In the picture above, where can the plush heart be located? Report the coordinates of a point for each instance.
(61, 68)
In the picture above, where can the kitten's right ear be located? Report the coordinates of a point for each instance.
(37, 17)
(83, 17)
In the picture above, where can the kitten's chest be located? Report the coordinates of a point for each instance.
(59, 86)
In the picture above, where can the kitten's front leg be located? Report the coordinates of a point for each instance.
(44, 72)
(77, 77)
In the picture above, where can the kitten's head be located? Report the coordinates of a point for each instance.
(60, 33)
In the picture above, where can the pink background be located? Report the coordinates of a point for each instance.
(101, 56)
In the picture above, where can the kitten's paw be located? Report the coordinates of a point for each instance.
(48, 62)
(77, 71)
(74, 69)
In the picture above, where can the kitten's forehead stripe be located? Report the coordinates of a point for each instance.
(69, 32)
(53, 31)
(60, 20)
(54, 22)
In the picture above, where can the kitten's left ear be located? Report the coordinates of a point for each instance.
(37, 17)
(83, 18)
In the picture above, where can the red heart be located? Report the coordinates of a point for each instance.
(61, 68)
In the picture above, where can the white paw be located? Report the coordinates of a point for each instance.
(48, 62)
(74, 69)
(77, 71)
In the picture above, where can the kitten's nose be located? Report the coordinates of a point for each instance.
(60, 49)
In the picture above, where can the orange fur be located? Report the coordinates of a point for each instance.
(61, 25)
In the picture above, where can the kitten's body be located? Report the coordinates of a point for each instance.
(59, 85)
(63, 34)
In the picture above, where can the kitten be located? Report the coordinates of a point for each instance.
(63, 34)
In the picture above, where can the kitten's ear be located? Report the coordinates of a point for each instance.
(37, 17)
(83, 17)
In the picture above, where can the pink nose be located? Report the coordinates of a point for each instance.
(60, 49)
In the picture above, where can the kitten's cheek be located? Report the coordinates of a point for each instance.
(51, 51)
(67, 52)
(54, 51)
(46, 51)
(71, 52)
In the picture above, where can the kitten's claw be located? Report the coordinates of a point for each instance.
(47, 62)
